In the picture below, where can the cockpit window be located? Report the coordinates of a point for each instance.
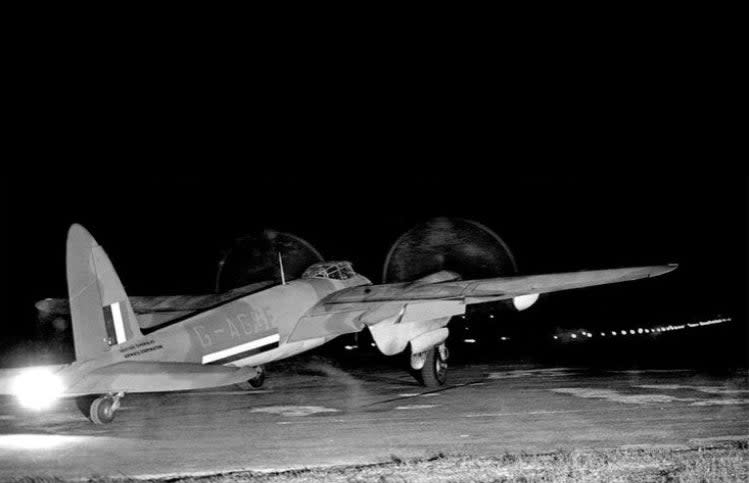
(330, 270)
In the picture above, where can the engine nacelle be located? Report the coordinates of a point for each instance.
(392, 337)
(428, 340)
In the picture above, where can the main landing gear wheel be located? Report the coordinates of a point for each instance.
(100, 410)
(256, 381)
(430, 367)
(259, 379)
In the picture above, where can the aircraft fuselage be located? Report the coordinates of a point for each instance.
(250, 331)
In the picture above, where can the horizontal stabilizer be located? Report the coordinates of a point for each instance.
(136, 376)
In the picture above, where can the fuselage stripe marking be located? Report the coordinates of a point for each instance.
(119, 326)
(247, 346)
(246, 354)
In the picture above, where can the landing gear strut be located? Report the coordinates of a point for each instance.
(256, 381)
(100, 410)
(430, 367)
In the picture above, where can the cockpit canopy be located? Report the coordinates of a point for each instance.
(331, 270)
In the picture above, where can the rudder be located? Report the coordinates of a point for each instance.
(100, 310)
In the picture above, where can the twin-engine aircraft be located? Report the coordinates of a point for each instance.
(226, 339)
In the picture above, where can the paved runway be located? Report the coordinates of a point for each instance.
(329, 416)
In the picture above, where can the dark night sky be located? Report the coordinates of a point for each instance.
(164, 234)
(90, 136)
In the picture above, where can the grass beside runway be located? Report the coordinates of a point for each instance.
(719, 461)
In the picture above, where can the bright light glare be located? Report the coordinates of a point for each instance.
(37, 441)
(37, 388)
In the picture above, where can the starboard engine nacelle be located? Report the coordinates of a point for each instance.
(429, 339)
(393, 337)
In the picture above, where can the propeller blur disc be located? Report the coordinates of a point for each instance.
(254, 258)
(463, 246)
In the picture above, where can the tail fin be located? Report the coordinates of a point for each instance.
(99, 308)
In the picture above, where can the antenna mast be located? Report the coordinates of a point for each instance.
(280, 267)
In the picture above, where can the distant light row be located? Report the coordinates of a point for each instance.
(667, 328)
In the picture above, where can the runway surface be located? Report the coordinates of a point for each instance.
(329, 416)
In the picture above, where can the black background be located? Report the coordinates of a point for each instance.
(165, 233)
(579, 155)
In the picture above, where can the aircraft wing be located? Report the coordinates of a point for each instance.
(134, 376)
(351, 309)
(153, 311)
(490, 289)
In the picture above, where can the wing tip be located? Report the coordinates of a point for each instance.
(663, 269)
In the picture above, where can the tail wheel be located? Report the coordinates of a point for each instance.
(433, 372)
(102, 410)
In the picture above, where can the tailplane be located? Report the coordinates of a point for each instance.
(100, 310)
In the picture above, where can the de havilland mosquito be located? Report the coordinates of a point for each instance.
(226, 339)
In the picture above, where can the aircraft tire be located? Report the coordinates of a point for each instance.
(102, 410)
(254, 382)
(258, 380)
(434, 372)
